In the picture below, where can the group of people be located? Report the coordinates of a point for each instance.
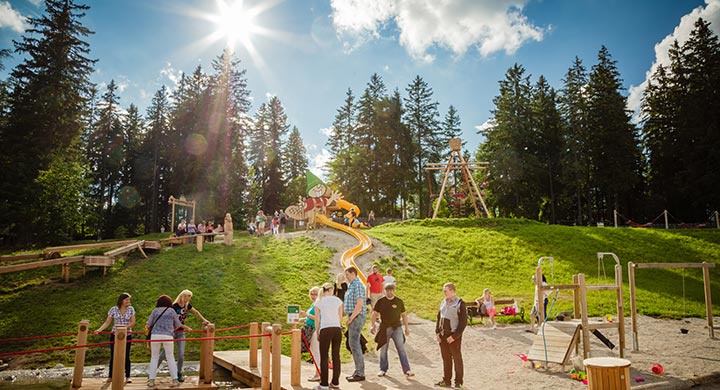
(347, 300)
(166, 326)
(184, 228)
(276, 223)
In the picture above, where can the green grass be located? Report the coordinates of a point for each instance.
(502, 254)
(255, 279)
(250, 281)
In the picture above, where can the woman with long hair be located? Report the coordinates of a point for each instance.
(162, 324)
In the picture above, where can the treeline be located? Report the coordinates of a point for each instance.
(573, 155)
(76, 164)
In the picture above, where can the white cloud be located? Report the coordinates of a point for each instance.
(11, 18)
(488, 124)
(711, 13)
(36, 2)
(318, 161)
(327, 131)
(171, 74)
(487, 25)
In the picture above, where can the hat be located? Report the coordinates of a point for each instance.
(312, 181)
(389, 286)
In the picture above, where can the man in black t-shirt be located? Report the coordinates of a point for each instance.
(391, 311)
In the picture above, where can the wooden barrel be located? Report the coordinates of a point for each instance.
(608, 373)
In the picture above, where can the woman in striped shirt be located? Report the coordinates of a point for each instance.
(121, 314)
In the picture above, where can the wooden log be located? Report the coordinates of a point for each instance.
(584, 317)
(253, 345)
(80, 354)
(208, 357)
(599, 287)
(633, 306)
(109, 244)
(28, 256)
(295, 357)
(620, 308)
(276, 356)
(39, 264)
(265, 370)
(708, 301)
(123, 249)
(675, 265)
(98, 261)
(118, 368)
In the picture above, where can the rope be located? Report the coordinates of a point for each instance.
(232, 328)
(55, 349)
(37, 337)
(317, 369)
(204, 338)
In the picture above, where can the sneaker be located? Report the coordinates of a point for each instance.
(181, 378)
(460, 386)
(174, 383)
(494, 326)
(334, 386)
(381, 373)
(409, 374)
(318, 387)
(128, 380)
(442, 384)
(316, 378)
(151, 383)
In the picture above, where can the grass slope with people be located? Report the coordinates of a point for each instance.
(255, 279)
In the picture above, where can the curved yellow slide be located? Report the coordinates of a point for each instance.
(349, 256)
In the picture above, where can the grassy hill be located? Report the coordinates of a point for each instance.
(501, 254)
(255, 279)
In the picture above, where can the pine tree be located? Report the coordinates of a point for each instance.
(131, 213)
(296, 162)
(513, 190)
(344, 124)
(576, 158)
(548, 148)
(50, 91)
(270, 128)
(421, 114)
(614, 146)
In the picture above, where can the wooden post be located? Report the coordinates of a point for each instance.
(199, 242)
(615, 217)
(584, 318)
(203, 352)
(442, 188)
(66, 272)
(295, 357)
(265, 370)
(717, 220)
(208, 357)
(118, 368)
(576, 299)
(666, 219)
(80, 354)
(620, 308)
(708, 300)
(172, 214)
(540, 296)
(193, 207)
(253, 344)
(633, 306)
(276, 356)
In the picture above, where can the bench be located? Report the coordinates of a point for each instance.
(476, 309)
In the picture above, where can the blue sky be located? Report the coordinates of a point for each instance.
(308, 52)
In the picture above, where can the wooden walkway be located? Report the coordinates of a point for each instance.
(138, 383)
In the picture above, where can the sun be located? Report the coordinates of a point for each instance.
(235, 23)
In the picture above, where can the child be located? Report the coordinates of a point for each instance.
(489, 302)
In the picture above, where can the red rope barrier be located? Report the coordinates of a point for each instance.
(311, 354)
(55, 349)
(37, 337)
(232, 328)
(203, 338)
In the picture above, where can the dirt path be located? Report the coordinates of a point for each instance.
(490, 355)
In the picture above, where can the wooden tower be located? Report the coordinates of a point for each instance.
(466, 168)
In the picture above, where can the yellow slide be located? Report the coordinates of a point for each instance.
(364, 243)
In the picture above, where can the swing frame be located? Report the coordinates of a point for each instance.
(633, 305)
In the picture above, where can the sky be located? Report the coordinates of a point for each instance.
(309, 52)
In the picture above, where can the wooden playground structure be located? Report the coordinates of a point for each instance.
(554, 341)
(456, 163)
(706, 281)
(173, 201)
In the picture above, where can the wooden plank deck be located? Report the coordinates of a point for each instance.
(238, 362)
(138, 383)
(558, 341)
